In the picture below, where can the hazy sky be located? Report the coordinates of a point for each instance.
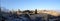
(31, 4)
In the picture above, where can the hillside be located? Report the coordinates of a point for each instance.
(51, 12)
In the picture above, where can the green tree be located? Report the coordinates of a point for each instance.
(19, 10)
(35, 11)
(27, 11)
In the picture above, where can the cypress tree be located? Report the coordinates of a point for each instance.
(35, 11)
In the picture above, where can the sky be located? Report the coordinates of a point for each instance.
(31, 4)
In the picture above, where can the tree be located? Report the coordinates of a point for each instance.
(35, 11)
(19, 10)
(0, 10)
(28, 11)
